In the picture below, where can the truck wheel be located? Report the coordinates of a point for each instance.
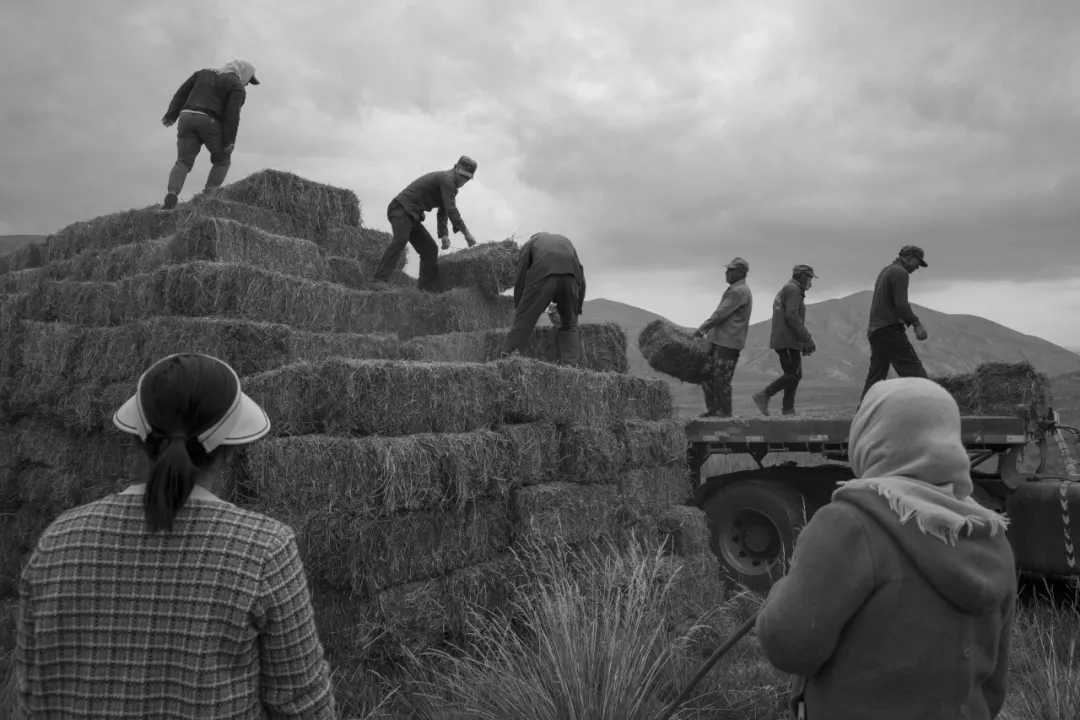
(753, 525)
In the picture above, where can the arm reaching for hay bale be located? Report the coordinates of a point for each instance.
(448, 208)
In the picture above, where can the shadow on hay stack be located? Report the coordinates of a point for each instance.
(408, 461)
(673, 351)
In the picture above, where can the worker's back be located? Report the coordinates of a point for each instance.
(552, 254)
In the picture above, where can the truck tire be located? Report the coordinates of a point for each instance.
(753, 526)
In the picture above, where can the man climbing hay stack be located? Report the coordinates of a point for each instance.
(548, 271)
(406, 215)
(726, 331)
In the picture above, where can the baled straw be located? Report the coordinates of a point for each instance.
(491, 267)
(312, 204)
(685, 529)
(541, 391)
(365, 245)
(648, 490)
(378, 397)
(566, 511)
(673, 351)
(100, 233)
(998, 388)
(105, 455)
(248, 293)
(537, 446)
(602, 453)
(17, 281)
(382, 476)
(19, 534)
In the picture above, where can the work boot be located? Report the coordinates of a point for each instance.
(762, 402)
(170, 201)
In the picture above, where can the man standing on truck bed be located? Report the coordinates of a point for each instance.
(208, 107)
(548, 271)
(726, 331)
(790, 338)
(890, 314)
(406, 215)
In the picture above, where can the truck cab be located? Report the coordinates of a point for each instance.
(754, 516)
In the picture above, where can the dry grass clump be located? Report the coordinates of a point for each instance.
(673, 351)
(998, 388)
(377, 397)
(491, 267)
(541, 390)
(312, 204)
(201, 289)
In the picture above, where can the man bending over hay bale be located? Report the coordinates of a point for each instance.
(406, 215)
(890, 313)
(726, 332)
(208, 107)
(548, 271)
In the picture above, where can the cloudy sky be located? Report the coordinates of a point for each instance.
(663, 138)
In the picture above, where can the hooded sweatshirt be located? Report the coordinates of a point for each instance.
(900, 598)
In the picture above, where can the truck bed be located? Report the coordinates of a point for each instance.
(813, 434)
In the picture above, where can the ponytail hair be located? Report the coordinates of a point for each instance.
(171, 473)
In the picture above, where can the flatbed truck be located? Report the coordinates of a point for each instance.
(754, 516)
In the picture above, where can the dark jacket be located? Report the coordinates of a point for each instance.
(730, 322)
(890, 304)
(548, 254)
(879, 620)
(434, 190)
(219, 95)
(789, 318)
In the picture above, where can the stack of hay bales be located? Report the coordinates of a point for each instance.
(407, 457)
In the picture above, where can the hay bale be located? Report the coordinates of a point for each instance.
(649, 490)
(103, 455)
(216, 239)
(345, 549)
(571, 512)
(998, 388)
(536, 446)
(491, 267)
(541, 391)
(649, 444)
(17, 281)
(312, 204)
(378, 397)
(685, 529)
(602, 453)
(201, 289)
(382, 476)
(365, 245)
(19, 534)
(673, 351)
(102, 233)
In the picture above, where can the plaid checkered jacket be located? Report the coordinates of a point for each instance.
(212, 620)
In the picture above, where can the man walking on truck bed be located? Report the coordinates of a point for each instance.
(208, 107)
(548, 271)
(406, 215)
(790, 338)
(890, 314)
(726, 331)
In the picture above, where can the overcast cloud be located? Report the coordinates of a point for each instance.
(662, 137)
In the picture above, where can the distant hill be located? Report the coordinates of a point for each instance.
(957, 343)
(9, 243)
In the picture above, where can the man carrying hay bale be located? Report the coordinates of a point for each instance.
(208, 107)
(406, 215)
(890, 313)
(789, 338)
(548, 271)
(726, 331)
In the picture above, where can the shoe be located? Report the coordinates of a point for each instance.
(170, 201)
(707, 414)
(762, 402)
(788, 412)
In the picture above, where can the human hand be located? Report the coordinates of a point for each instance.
(469, 238)
(167, 122)
(920, 333)
(445, 242)
(229, 148)
(809, 347)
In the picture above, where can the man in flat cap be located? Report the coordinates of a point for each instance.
(726, 331)
(789, 338)
(890, 315)
(406, 215)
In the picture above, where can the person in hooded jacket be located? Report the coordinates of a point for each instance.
(901, 594)
(208, 108)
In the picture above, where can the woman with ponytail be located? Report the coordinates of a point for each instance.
(164, 600)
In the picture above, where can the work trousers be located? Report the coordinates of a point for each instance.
(890, 346)
(791, 365)
(193, 131)
(717, 387)
(563, 291)
(408, 230)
